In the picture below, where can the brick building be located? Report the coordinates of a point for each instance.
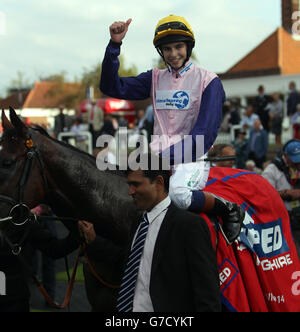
(40, 104)
(273, 63)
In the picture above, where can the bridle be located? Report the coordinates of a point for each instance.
(19, 214)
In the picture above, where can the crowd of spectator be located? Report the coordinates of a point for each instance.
(263, 115)
(282, 172)
(98, 123)
(250, 147)
(269, 109)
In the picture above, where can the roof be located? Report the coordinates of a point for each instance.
(15, 100)
(51, 94)
(277, 54)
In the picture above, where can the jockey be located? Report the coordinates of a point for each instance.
(187, 103)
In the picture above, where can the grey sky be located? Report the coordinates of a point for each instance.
(45, 37)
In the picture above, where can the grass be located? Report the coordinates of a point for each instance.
(62, 276)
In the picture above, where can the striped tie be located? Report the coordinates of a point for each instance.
(127, 290)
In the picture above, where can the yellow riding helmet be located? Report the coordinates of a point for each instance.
(173, 29)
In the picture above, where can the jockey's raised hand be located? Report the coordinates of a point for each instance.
(174, 40)
(118, 30)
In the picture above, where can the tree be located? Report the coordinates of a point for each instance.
(19, 84)
(71, 98)
(125, 72)
(91, 78)
(63, 92)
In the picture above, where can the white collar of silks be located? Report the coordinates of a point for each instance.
(184, 70)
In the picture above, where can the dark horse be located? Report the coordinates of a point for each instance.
(35, 169)
(67, 180)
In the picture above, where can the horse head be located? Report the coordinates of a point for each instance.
(21, 174)
(35, 169)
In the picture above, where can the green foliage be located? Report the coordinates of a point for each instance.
(62, 276)
(59, 77)
(20, 82)
(126, 72)
(89, 78)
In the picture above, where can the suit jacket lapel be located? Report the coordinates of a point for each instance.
(162, 238)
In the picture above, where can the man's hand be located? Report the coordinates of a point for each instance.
(118, 30)
(294, 194)
(87, 231)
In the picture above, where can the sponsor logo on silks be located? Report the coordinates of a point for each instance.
(227, 273)
(186, 69)
(181, 99)
(194, 179)
(172, 100)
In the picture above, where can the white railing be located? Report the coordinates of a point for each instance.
(73, 139)
(228, 138)
(223, 137)
(127, 139)
(124, 140)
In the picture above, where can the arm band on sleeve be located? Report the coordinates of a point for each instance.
(198, 201)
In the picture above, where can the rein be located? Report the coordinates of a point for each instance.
(20, 214)
(16, 250)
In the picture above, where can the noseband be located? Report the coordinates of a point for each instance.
(20, 212)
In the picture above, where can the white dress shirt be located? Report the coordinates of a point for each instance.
(142, 301)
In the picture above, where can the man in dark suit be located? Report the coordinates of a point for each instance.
(178, 268)
(293, 99)
(258, 144)
(62, 122)
(260, 105)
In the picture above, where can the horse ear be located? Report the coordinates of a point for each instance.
(6, 124)
(17, 123)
